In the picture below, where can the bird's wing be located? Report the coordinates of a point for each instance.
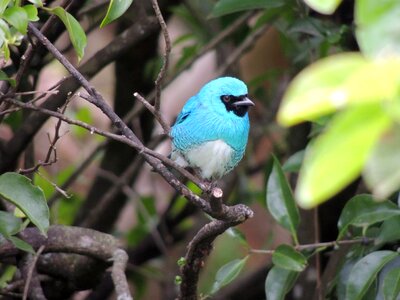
(189, 106)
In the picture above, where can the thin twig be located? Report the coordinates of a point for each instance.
(317, 245)
(167, 51)
(52, 148)
(116, 137)
(243, 47)
(317, 255)
(31, 270)
(156, 113)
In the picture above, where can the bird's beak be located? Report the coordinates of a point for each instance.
(245, 102)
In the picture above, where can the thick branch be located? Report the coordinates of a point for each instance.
(201, 245)
(76, 240)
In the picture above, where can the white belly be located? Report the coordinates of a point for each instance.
(212, 158)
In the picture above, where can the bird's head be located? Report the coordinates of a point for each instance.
(227, 94)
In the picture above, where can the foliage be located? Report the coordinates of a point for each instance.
(349, 97)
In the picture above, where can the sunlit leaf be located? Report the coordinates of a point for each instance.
(362, 211)
(323, 6)
(280, 201)
(318, 89)
(364, 273)
(17, 17)
(228, 273)
(19, 190)
(224, 7)
(375, 32)
(3, 5)
(279, 282)
(286, 257)
(116, 8)
(75, 31)
(382, 171)
(391, 284)
(337, 82)
(31, 12)
(339, 154)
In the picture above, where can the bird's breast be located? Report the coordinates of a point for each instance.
(213, 158)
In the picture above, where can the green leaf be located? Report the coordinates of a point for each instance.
(3, 76)
(31, 12)
(339, 154)
(286, 257)
(20, 244)
(18, 189)
(382, 171)
(337, 82)
(280, 201)
(375, 32)
(224, 7)
(38, 3)
(363, 211)
(17, 17)
(5, 51)
(116, 8)
(391, 284)
(9, 224)
(294, 162)
(75, 31)
(279, 282)
(386, 232)
(227, 273)
(364, 273)
(3, 5)
(323, 6)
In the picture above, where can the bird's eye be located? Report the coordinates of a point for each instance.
(226, 98)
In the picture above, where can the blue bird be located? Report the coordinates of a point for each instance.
(211, 132)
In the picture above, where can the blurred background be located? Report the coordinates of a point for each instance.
(110, 189)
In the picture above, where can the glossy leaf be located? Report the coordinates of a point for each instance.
(386, 232)
(3, 76)
(3, 5)
(224, 7)
(280, 201)
(19, 190)
(318, 89)
(31, 12)
(9, 224)
(339, 154)
(17, 17)
(294, 162)
(116, 8)
(286, 257)
(75, 31)
(391, 284)
(228, 273)
(323, 6)
(337, 82)
(279, 282)
(362, 211)
(364, 273)
(20, 244)
(382, 171)
(375, 31)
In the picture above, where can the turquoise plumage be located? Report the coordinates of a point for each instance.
(211, 132)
